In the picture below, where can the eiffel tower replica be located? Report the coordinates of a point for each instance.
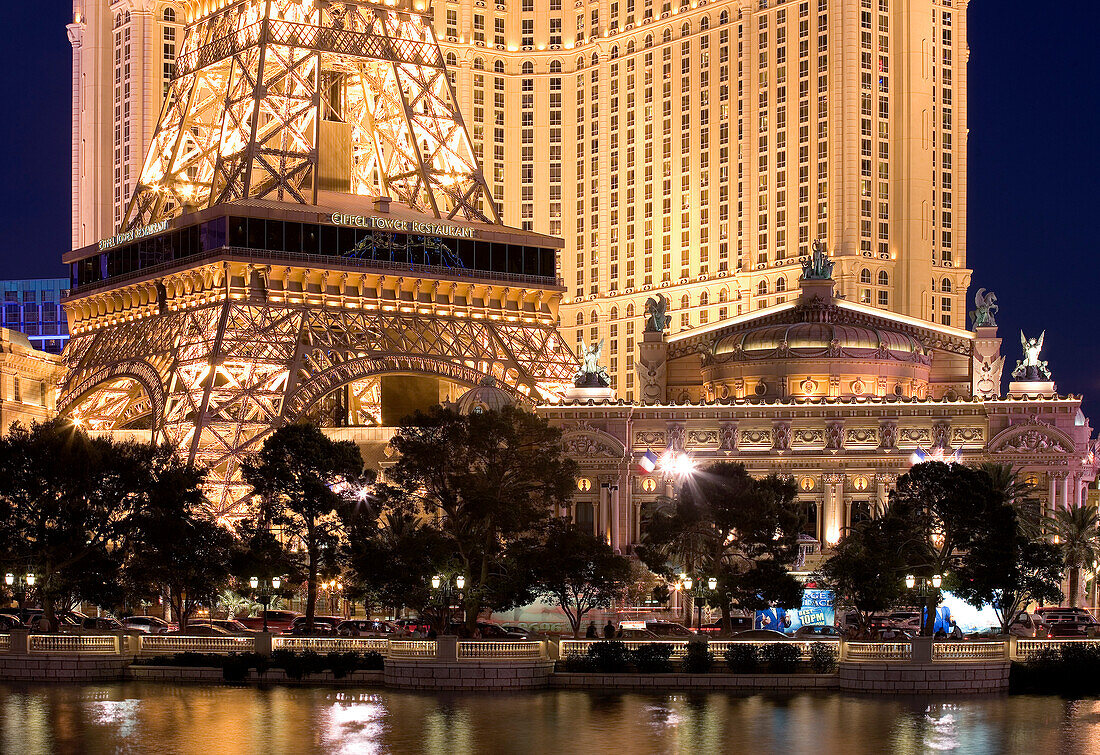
(311, 238)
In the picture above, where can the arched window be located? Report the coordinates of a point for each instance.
(762, 288)
(595, 59)
(704, 299)
(883, 278)
(614, 313)
(724, 18)
(528, 68)
(169, 16)
(685, 29)
(864, 276)
(498, 66)
(781, 284)
(629, 310)
(649, 40)
(452, 60)
(723, 295)
(704, 23)
(630, 47)
(555, 66)
(593, 317)
(685, 302)
(945, 285)
(667, 36)
(614, 52)
(479, 64)
(580, 319)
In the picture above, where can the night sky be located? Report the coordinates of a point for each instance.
(1034, 196)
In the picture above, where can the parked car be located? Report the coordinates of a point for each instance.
(1044, 610)
(891, 634)
(232, 626)
(368, 628)
(277, 621)
(100, 624)
(146, 624)
(1028, 626)
(1068, 630)
(818, 633)
(488, 630)
(760, 634)
(200, 629)
(323, 626)
(737, 624)
(1074, 615)
(668, 629)
(413, 625)
(9, 622)
(65, 619)
(530, 634)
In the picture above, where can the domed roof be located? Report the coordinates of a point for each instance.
(486, 397)
(818, 339)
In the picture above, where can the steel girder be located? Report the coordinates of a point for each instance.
(256, 81)
(215, 379)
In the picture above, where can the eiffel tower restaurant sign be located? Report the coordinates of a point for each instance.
(404, 226)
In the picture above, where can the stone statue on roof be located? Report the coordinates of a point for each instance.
(656, 308)
(591, 374)
(818, 267)
(985, 308)
(1031, 367)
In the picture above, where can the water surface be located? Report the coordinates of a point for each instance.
(152, 718)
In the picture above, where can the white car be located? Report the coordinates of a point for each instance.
(146, 624)
(1028, 626)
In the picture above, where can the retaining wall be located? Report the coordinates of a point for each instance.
(911, 678)
(63, 668)
(482, 676)
(695, 682)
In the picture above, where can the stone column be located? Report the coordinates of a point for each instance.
(1052, 500)
(833, 519)
(1066, 483)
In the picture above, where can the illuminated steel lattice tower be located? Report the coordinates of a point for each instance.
(280, 99)
(264, 275)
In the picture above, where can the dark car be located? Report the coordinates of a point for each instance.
(818, 633)
(232, 626)
(488, 631)
(323, 626)
(1068, 629)
(100, 624)
(146, 624)
(668, 629)
(199, 629)
(65, 619)
(737, 624)
(9, 622)
(277, 621)
(368, 628)
(760, 634)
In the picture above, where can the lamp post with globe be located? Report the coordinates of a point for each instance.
(267, 588)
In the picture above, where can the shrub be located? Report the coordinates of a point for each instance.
(609, 657)
(823, 657)
(781, 657)
(373, 661)
(698, 659)
(577, 664)
(652, 658)
(742, 658)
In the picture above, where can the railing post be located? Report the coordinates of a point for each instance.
(922, 650)
(842, 650)
(446, 647)
(20, 642)
(263, 644)
(1010, 648)
(553, 650)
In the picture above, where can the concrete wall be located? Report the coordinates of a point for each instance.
(895, 678)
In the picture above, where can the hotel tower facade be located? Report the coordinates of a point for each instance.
(694, 150)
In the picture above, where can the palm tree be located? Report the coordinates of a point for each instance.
(1078, 532)
(1022, 495)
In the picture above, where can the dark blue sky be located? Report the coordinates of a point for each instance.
(1034, 196)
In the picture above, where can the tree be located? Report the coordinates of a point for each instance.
(576, 571)
(1035, 574)
(950, 517)
(866, 568)
(485, 481)
(393, 554)
(180, 550)
(728, 525)
(1078, 531)
(304, 481)
(68, 504)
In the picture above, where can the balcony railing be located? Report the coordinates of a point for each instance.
(412, 648)
(968, 651)
(332, 644)
(92, 644)
(159, 644)
(490, 650)
(878, 651)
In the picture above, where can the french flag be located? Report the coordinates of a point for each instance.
(648, 462)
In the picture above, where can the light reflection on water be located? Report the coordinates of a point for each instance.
(196, 720)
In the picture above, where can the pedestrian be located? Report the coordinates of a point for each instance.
(477, 633)
(956, 631)
(591, 633)
(432, 634)
(940, 634)
(889, 634)
(609, 630)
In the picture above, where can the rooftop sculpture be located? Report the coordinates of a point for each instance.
(1031, 367)
(818, 266)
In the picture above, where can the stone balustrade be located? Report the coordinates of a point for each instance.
(168, 644)
(481, 649)
(332, 644)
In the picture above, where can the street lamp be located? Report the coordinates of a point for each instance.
(698, 589)
(926, 588)
(265, 594)
(442, 585)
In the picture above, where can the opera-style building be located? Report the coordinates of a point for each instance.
(841, 396)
